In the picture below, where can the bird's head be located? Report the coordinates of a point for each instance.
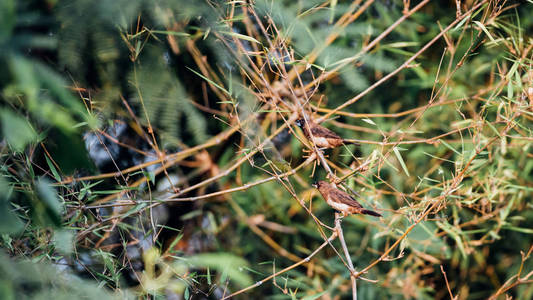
(318, 184)
(300, 122)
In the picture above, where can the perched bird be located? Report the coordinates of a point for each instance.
(341, 201)
(321, 136)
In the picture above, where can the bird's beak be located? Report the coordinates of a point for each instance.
(315, 185)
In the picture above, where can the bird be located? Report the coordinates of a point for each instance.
(341, 201)
(321, 136)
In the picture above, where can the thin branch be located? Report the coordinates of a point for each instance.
(405, 65)
(353, 279)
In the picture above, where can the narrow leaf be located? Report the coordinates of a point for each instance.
(241, 36)
(400, 159)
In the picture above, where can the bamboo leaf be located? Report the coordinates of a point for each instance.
(400, 159)
(240, 36)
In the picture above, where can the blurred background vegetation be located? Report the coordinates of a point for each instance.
(149, 150)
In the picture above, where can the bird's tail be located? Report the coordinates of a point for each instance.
(348, 142)
(371, 213)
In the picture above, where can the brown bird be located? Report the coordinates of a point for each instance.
(321, 136)
(341, 201)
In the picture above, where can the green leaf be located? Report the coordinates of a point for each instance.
(7, 18)
(369, 121)
(52, 81)
(186, 294)
(452, 231)
(332, 6)
(9, 222)
(518, 229)
(68, 151)
(64, 241)
(449, 146)
(210, 81)
(226, 264)
(46, 282)
(400, 159)
(49, 197)
(16, 130)
(176, 33)
(485, 30)
(313, 297)
(240, 36)
(52, 168)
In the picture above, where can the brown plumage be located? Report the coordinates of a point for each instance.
(321, 136)
(341, 201)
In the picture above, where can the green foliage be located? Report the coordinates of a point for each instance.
(164, 99)
(16, 130)
(25, 279)
(196, 182)
(9, 222)
(229, 266)
(48, 209)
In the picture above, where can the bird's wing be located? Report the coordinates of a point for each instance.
(343, 197)
(319, 131)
